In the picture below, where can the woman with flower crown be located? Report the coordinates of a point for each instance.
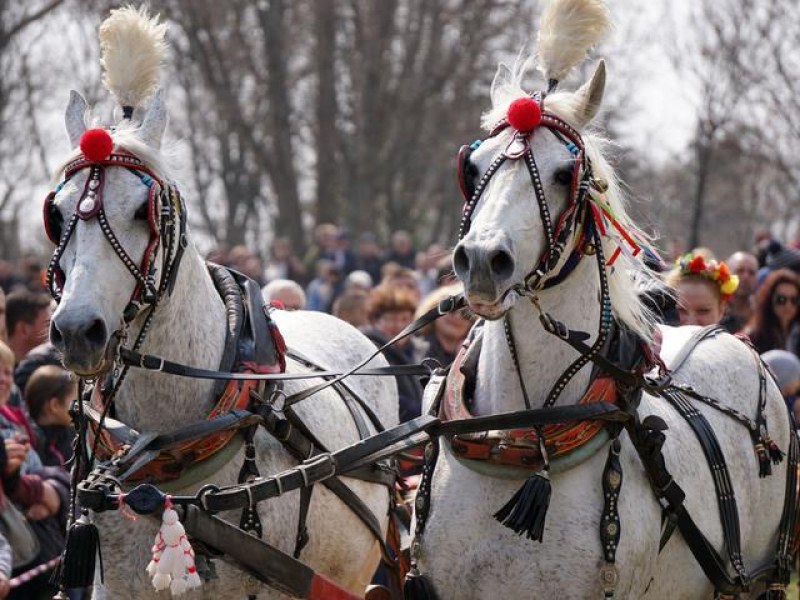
(775, 324)
(703, 287)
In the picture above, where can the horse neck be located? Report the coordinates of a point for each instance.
(188, 327)
(542, 356)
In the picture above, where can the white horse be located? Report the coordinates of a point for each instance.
(189, 326)
(467, 554)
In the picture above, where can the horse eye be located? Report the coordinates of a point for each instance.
(563, 176)
(142, 213)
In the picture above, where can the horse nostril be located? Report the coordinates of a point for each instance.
(501, 263)
(55, 335)
(460, 260)
(96, 333)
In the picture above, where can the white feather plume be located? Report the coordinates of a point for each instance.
(568, 30)
(132, 50)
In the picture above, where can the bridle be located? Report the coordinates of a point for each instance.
(580, 220)
(574, 214)
(166, 217)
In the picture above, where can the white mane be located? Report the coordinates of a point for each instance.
(132, 48)
(625, 300)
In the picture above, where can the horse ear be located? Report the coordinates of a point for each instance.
(590, 95)
(155, 121)
(75, 118)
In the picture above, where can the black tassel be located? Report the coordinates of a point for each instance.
(526, 511)
(418, 587)
(775, 453)
(764, 466)
(76, 569)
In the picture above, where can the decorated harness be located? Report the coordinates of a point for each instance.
(111, 455)
(618, 379)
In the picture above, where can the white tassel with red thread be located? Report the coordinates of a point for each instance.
(172, 565)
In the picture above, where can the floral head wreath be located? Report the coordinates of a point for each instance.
(718, 272)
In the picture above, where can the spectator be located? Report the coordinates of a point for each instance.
(446, 334)
(402, 251)
(324, 246)
(390, 310)
(48, 396)
(253, 268)
(351, 306)
(703, 288)
(358, 281)
(27, 321)
(395, 275)
(740, 307)
(343, 256)
(781, 257)
(368, 257)
(43, 354)
(283, 263)
(427, 271)
(9, 278)
(13, 422)
(785, 367)
(324, 288)
(43, 494)
(775, 324)
(288, 293)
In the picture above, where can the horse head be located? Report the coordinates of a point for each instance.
(116, 222)
(522, 185)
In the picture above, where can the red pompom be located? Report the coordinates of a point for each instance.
(524, 114)
(96, 144)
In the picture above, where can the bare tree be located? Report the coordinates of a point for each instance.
(21, 143)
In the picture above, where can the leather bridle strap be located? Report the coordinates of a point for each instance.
(446, 306)
(150, 362)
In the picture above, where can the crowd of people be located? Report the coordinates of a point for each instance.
(380, 290)
(36, 393)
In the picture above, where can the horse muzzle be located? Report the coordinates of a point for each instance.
(83, 342)
(486, 267)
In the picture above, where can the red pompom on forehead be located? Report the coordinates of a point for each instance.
(96, 144)
(524, 114)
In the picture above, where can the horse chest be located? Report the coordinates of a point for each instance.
(470, 555)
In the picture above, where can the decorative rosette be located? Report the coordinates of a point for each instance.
(716, 271)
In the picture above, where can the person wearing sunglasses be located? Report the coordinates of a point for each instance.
(775, 324)
(702, 287)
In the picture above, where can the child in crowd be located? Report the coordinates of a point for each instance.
(48, 396)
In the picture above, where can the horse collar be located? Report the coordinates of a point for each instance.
(509, 454)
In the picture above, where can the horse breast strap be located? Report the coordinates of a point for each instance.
(518, 447)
